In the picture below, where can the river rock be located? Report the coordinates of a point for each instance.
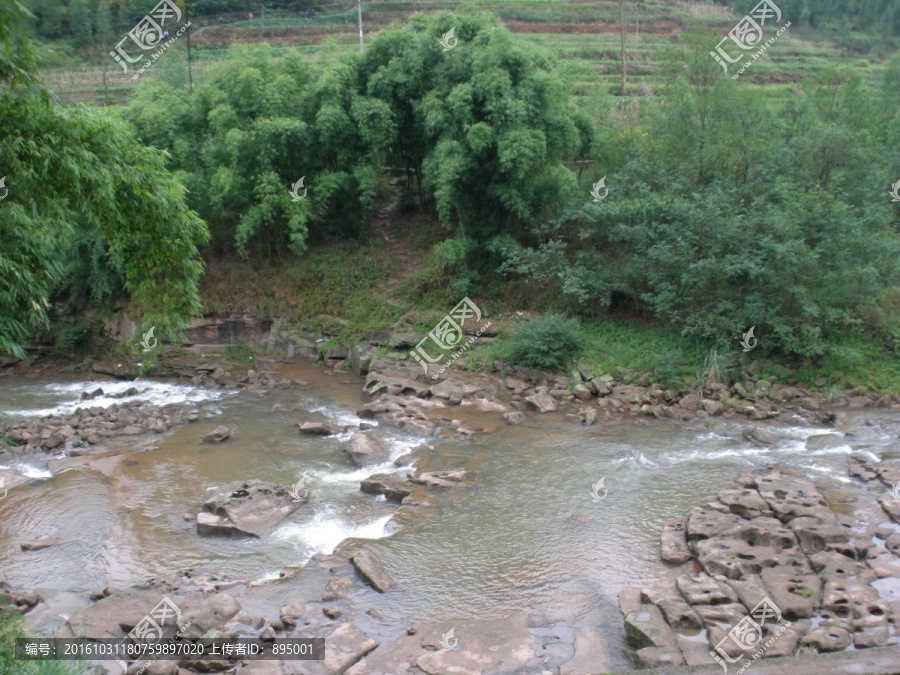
(210, 612)
(366, 450)
(792, 497)
(816, 534)
(490, 646)
(797, 595)
(317, 429)
(337, 588)
(702, 589)
(757, 435)
(217, 435)
(371, 569)
(827, 639)
(648, 628)
(251, 508)
(677, 612)
(672, 544)
(389, 485)
(37, 544)
(744, 502)
(822, 441)
(118, 613)
(543, 403)
(514, 417)
(451, 478)
(345, 646)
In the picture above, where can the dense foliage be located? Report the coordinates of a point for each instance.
(79, 181)
(546, 342)
(728, 212)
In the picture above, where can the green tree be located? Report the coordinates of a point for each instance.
(76, 170)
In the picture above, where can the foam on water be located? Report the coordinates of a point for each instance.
(324, 532)
(66, 397)
(27, 470)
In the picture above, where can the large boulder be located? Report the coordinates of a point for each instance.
(317, 429)
(209, 613)
(251, 508)
(345, 646)
(366, 449)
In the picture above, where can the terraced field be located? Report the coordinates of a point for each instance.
(585, 38)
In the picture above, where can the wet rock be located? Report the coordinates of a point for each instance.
(673, 545)
(268, 634)
(514, 417)
(317, 429)
(703, 523)
(724, 614)
(816, 534)
(217, 435)
(871, 636)
(581, 392)
(37, 544)
(211, 612)
(117, 614)
(677, 612)
(378, 383)
(796, 595)
(332, 612)
(543, 403)
(757, 435)
(192, 416)
(337, 588)
(648, 628)
(651, 657)
(251, 508)
(827, 639)
(822, 441)
(704, 590)
(366, 450)
(749, 547)
(460, 388)
(792, 497)
(451, 478)
(389, 485)
(371, 569)
(629, 600)
(744, 502)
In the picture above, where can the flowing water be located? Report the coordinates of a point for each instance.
(527, 537)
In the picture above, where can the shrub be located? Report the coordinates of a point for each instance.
(547, 342)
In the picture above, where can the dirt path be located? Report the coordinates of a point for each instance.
(380, 229)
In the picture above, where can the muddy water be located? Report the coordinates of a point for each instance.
(528, 537)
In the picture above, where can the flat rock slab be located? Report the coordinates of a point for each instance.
(672, 544)
(450, 478)
(115, 615)
(251, 508)
(876, 661)
(218, 435)
(372, 570)
(490, 646)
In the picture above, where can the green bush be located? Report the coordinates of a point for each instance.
(10, 629)
(547, 342)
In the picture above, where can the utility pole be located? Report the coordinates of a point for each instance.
(188, 32)
(622, 31)
(262, 22)
(359, 10)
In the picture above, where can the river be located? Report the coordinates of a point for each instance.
(527, 537)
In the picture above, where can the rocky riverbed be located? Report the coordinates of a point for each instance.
(768, 533)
